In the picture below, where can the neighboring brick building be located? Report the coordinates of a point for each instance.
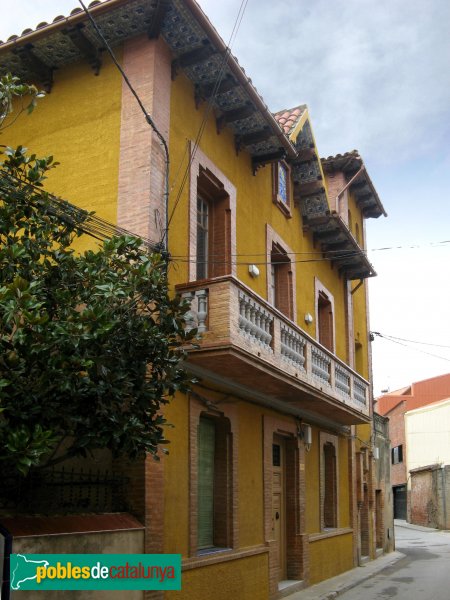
(384, 513)
(427, 435)
(394, 405)
(270, 484)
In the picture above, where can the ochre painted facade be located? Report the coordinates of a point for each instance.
(81, 123)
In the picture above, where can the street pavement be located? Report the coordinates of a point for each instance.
(418, 570)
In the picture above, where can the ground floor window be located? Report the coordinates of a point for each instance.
(329, 481)
(214, 483)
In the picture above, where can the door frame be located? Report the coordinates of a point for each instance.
(297, 547)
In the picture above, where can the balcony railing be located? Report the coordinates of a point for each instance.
(230, 316)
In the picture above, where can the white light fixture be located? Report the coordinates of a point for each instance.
(253, 270)
(307, 434)
(304, 432)
(376, 453)
(308, 318)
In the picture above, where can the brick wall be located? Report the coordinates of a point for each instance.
(397, 437)
(430, 496)
(423, 499)
(141, 206)
(335, 183)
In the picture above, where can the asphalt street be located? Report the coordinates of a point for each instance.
(423, 574)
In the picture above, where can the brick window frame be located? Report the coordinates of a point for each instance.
(323, 295)
(284, 204)
(326, 495)
(227, 531)
(227, 195)
(288, 305)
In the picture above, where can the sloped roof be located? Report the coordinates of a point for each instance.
(431, 405)
(197, 48)
(365, 193)
(418, 394)
(289, 117)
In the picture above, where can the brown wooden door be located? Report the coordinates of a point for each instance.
(279, 502)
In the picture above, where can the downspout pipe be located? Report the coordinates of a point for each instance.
(5, 589)
(349, 183)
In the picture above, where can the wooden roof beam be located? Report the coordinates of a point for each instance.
(306, 154)
(253, 138)
(307, 189)
(158, 17)
(264, 159)
(193, 57)
(39, 70)
(84, 46)
(231, 116)
(206, 91)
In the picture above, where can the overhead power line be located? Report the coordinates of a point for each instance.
(209, 107)
(400, 343)
(393, 337)
(89, 223)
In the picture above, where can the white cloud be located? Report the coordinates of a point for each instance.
(374, 74)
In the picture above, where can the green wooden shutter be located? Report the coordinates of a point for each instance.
(206, 445)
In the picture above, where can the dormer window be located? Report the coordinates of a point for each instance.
(283, 184)
(282, 187)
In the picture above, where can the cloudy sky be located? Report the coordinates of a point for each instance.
(376, 77)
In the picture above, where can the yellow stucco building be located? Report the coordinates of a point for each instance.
(268, 485)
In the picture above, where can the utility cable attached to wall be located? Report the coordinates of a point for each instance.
(148, 118)
(209, 107)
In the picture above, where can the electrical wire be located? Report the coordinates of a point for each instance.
(209, 107)
(262, 263)
(331, 252)
(394, 341)
(148, 118)
(89, 223)
(393, 337)
(102, 229)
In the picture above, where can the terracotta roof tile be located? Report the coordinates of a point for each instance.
(288, 118)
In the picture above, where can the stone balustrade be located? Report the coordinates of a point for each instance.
(228, 314)
(254, 320)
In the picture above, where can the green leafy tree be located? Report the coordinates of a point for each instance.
(90, 344)
(13, 92)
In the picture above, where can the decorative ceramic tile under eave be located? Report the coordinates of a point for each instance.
(339, 246)
(351, 164)
(198, 51)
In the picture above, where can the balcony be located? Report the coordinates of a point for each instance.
(248, 344)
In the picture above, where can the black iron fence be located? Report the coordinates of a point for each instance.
(63, 491)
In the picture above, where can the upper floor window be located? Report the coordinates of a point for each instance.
(280, 281)
(213, 227)
(397, 454)
(211, 222)
(202, 238)
(350, 221)
(325, 320)
(282, 187)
